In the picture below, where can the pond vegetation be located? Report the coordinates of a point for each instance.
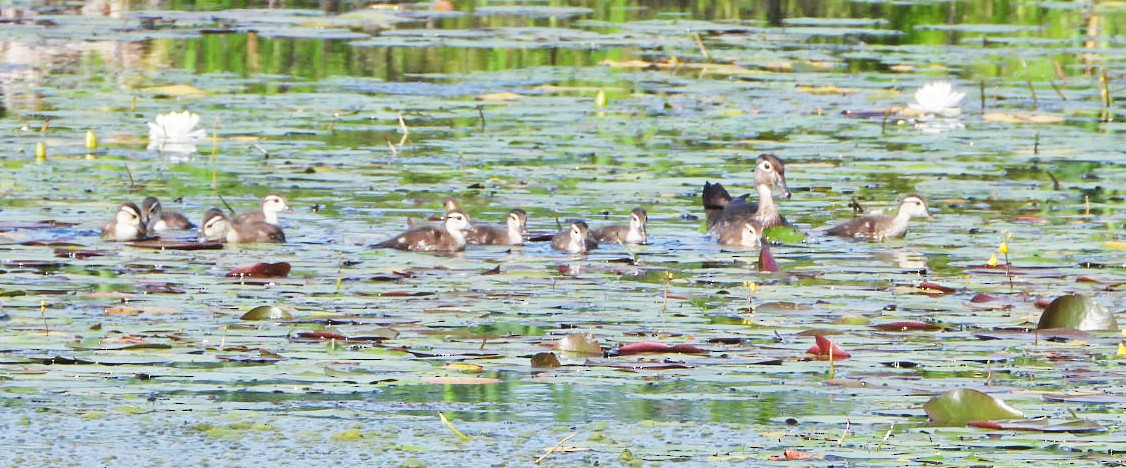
(367, 117)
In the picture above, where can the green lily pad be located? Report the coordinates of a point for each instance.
(267, 313)
(1078, 312)
(784, 234)
(957, 407)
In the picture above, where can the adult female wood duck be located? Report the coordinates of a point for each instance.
(449, 237)
(159, 220)
(725, 213)
(574, 239)
(879, 226)
(217, 226)
(512, 233)
(128, 224)
(632, 233)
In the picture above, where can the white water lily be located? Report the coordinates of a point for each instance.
(175, 132)
(937, 98)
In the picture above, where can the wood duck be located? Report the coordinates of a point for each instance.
(512, 233)
(721, 209)
(449, 237)
(879, 226)
(633, 233)
(575, 239)
(159, 220)
(217, 226)
(741, 235)
(271, 205)
(128, 224)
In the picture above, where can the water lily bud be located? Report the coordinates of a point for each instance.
(992, 260)
(600, 98)
(41, 151)
(1003, 249)
(91, 140)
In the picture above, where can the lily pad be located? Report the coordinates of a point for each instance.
(784, 234)
(267, 313)
(1078, 312)
(958, 407)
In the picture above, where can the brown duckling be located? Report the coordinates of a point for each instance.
(128, 224)
(879, 226)
(633, 233)
(447, 238)
(721, 208)
(159, 220)
(217, 226)
(574, 239)
(742, 235)
(271, 205)
(512, 233)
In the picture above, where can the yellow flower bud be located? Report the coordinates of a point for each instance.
(91, 140)
(992, 260)
(1003, 249)
(41, 151)
(600, 99)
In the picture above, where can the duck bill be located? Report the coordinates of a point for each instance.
(780, 184)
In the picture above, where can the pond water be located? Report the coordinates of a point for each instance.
(367, 115)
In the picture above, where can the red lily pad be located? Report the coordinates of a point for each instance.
(822, 348)
(642, 347)
(907, 326)
(261, 270)
(1040, 425)
(766, 260)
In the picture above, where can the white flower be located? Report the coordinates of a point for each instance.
(938, 98)
(175, 132)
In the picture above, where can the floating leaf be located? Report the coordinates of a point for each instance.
(655, 347)
(790, 454)
(579, 343)
(784, 234)
(177, 90)
(907, 326)
(852, 319)
(262, 270)
(766, 259)
(1078, 312)
(958, 407)
(545, 360)
(172, 245)
(321, 335)
(267, 313)
(464, 367)
(458, 380)
(822, 348)
(1015, 118)
(1041, 425)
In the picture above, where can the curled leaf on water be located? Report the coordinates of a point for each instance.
(321, 335)
(261, 270)
(579, 343)
(822, 348)
(791, 454)
(929, 286)
(766, 260)
(783, 234)
(267, 313)
(958, 407)
(545, 360)
(655, 347)
(907, 326)
(1078, 312)
(1041, 425)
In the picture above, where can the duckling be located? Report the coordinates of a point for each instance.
(160, 220)
(721, 208)
(633, 233)
(127, 225)
(448, 238)
(512, 233)
(742, 235)
(575, 239)
(217, 226)
(879, 226)
(271, 205)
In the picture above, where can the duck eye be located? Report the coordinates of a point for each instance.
(766, 166)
